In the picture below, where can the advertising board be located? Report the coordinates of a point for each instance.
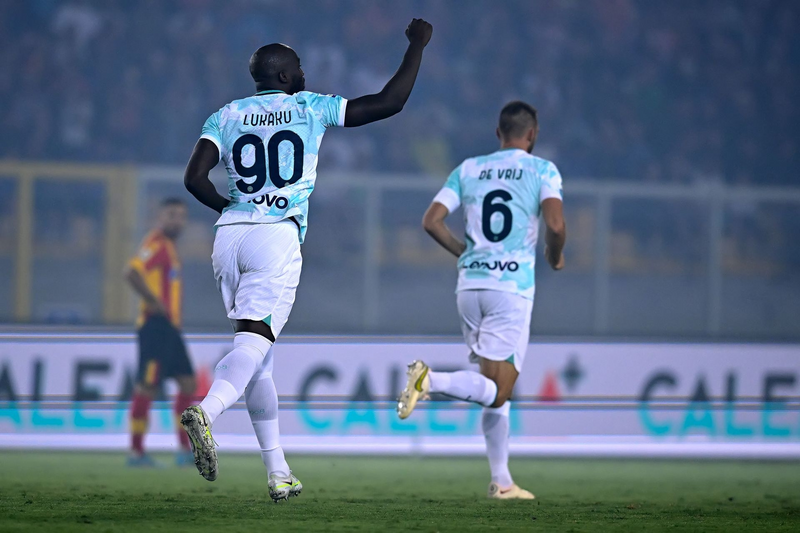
(337, 395)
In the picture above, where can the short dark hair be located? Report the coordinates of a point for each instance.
(267, 62)
(169, 201)
(515, 119)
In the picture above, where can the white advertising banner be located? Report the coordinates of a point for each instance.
(337, 395)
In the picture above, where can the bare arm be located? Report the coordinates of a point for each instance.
(433, 222)
(556, 233)
(136, 281)
(394, 95)
(205, 156)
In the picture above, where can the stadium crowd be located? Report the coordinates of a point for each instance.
(632, 89)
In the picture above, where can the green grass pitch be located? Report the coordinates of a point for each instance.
(96, 492)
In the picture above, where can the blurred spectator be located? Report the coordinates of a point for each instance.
(630, 89)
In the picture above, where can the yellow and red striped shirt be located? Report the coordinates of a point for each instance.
(157, 262)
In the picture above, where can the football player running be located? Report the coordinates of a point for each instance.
(269, 144)
(503, 195)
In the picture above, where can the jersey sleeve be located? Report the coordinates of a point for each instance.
(450, 195)
(551, 186)
(211, 131)
(151, 255)
(329, 109)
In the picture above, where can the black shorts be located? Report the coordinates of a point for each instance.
(162, 353)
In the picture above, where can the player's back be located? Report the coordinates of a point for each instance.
(501, 195)
(269, 143)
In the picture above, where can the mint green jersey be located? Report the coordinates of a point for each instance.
(269, 143)
(501, 194)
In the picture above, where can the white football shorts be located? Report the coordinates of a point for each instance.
(496, 325)
(257, 268)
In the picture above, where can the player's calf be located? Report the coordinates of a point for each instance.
(465, 385)
(504, 375)
(504, 391)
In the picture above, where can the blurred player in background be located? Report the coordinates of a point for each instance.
(503, 194)
(269, 144)
(155, 275)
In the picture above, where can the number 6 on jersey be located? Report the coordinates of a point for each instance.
(500, 207)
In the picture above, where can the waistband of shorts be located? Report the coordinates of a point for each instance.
(477, 285)
(291, 220)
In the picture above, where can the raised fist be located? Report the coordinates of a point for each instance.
(419, 32)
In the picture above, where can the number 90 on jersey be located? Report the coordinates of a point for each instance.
(266, 159)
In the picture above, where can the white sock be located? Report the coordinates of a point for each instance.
(233, 373)
(495, 430)
(465, 385)
(262, 404)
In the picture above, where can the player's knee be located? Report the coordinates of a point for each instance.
(252, 344)
(500, 400)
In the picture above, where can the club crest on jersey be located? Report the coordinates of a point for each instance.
(511, 266)
(278, 201)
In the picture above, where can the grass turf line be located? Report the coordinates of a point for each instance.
(44, 491)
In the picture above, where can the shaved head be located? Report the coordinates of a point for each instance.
(276, 66)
